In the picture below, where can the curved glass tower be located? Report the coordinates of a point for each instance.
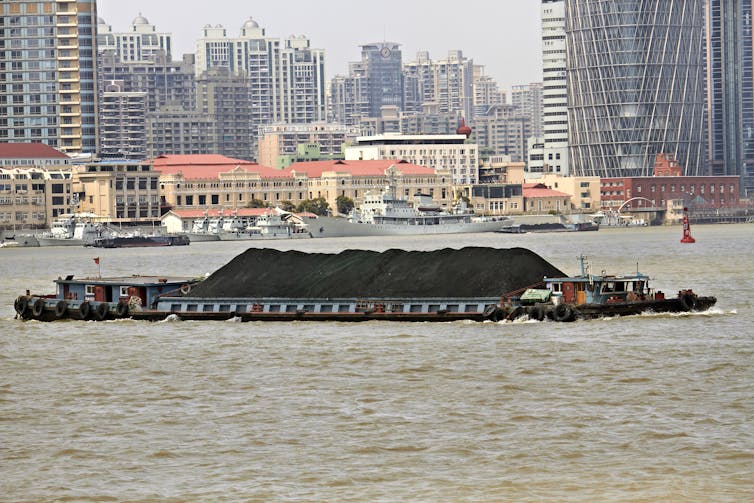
(635, 73)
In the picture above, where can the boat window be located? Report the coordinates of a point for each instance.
(90, 289)
(291, 308)
(620, 286)
(174, 308)
(396, 308)
(309, 308)
(472, 308)
(208, 308)
(191, 307)
(241, 308)
(608, 286)
(416, 308)
(274, 308)
(224, 308)
(123, 291)
(453, 308)
(325, 308)
(557, 287)
(433, 308)
(344, 308)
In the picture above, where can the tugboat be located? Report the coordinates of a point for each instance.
(589, 296)
(99, 299)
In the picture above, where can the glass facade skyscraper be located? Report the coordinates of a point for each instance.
(383, 68)
(635, 79)
(730, 83)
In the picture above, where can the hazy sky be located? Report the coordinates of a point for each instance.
(502, 35)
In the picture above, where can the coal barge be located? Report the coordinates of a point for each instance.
(359, 285)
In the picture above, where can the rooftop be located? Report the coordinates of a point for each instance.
(29, 151)
(314, 169)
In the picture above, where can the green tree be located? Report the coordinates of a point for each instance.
(344, 204)
(318, 206)
(256, 203)
(287, 206)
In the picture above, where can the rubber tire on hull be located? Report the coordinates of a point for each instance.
(102, 310)
(21, 305)
(121, 309)
(562, 312)
(688, 302)
(38, 308)
(536, 313)
(85, 309)
(492, 313)
(61, 309)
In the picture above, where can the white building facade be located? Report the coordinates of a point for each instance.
(141, 42)
(555, 91)
(448, 152)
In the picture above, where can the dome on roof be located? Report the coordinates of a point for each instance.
(140, 20)
(250, 23)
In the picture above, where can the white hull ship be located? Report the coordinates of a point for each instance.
(384, 214)
(73, 230)
(274, 224)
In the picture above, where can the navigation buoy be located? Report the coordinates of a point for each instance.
(686, 228)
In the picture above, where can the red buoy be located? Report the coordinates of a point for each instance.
(686, 228)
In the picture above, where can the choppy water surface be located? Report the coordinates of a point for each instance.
(649, 408)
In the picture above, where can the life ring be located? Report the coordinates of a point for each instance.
(536, 313)
(61, 309)
(562, 312)
(21, 304)
(688, 301)
(102, 310)
(122, 309)
(185, 289)
(85, 309)
(38, 308)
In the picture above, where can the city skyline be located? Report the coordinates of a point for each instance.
(514, 58)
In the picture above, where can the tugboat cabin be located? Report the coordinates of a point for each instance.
(600, 289)
(142, 289)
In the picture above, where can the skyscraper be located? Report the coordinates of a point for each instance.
(555, 88)
(47, 93)
(383, 69)
(730, 83)
(635, 80)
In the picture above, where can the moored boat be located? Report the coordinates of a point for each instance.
(137, 241)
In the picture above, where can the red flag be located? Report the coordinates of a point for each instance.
(96, 260)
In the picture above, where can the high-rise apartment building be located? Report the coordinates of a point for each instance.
(555, 88)
(730, 84)
(527, 99)
(142, 42)
(224, 96)
(635, 80)
(47, 93)
(383, 72)
(122, 123)
(286, 77)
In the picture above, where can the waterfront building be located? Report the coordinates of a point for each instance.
(584, 191)
(121, 192)
(635, 80)
(450, 153)
(142, 42)
(213, 182)
(35, 185)
(555, 87)
(730, 84)
(540, 199)
(48, 93)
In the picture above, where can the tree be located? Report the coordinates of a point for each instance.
(318, 206)
(344, 204)
(287, 206)
(256, 203)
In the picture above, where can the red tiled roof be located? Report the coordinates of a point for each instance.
(209, 166)
(534, 192)
(314, 169)
(29, 151)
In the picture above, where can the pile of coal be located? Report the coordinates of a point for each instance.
(468, 272)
